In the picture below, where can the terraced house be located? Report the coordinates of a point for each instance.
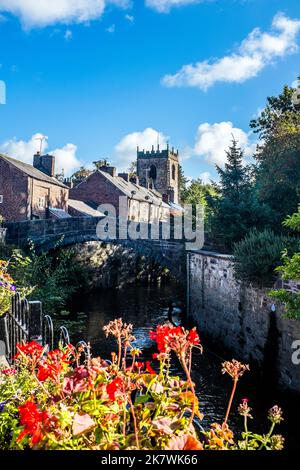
(31, 192)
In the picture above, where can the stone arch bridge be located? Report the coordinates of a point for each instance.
(49, 233)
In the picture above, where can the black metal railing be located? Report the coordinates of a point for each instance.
(26, 322)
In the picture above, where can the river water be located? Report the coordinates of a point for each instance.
(146, 306)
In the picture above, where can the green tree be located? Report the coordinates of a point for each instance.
(236, 209)
(80, 175)
(277, 159)
(285, 107)
(132, 170)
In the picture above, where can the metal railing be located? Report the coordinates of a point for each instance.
(26, 322)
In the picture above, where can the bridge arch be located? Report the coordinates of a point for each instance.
(49, 234)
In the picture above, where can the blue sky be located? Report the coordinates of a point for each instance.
(99, 77)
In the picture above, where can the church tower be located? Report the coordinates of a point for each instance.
(159, 170)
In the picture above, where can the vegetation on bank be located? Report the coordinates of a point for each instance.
(59, 400)
(52, 278)
(290, 271)
(247, 208)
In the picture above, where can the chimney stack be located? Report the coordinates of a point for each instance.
(125, 176)
(44, 163)
(134, 179)
(111, 170)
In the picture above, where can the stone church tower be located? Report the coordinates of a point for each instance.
(159, 170)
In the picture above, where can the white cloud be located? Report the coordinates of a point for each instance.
(40, 13)
(213, 140)
(126, 148)
(205, 177)
(111, 29)
(68, 35)
(24, 150)
(257, 51)
(164, 6)
(129, 18)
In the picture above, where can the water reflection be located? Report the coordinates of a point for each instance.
(146, 307)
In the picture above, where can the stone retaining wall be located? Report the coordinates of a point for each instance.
(242, 319)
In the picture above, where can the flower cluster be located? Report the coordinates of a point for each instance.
(6, 281)
(7, 287)
(34, 422)
(54, 363)
(244, 409)
(175, 339)
(53, 401)
(234, 368)
(30, 352)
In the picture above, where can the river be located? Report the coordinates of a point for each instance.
(146, 306)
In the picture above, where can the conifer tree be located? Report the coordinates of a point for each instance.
(236, 209)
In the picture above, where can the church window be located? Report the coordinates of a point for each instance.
(173, 172)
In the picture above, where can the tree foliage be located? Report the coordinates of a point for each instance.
(258, 254)
(236, 209)
(290, 270)
(278, 156)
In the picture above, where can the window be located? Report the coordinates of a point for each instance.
(153, 172)
(1, 198)
(173, 172)
(41, 203)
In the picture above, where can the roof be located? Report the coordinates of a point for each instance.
(135, 191)
(84, 208)
(32, 172)
(59, 213)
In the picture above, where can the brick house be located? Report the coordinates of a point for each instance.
(106, 187)
(31, 192)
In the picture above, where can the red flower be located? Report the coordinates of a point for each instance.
(9, 371)
(174, 338)
(33, 350)
(54, 364)
(34, 422)
(149, 368)
(114, 388)
(193, 337)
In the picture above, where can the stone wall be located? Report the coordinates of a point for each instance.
(115, 266)
(48, 234)
(241, 319)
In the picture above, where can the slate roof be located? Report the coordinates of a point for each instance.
(29, 170)
(84, 208)
(59, 213)
(135, 191)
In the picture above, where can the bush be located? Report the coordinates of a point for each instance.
(259, 253)
(290, 270)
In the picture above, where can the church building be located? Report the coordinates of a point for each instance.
(159, 170)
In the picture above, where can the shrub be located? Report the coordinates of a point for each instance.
(290, 270)
(258, 254)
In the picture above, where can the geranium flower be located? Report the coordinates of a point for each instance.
(149, 368)
(55, 363)
(32, 350)
(175, 338)
(33, 421)
(9, 371)
(114, 388)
